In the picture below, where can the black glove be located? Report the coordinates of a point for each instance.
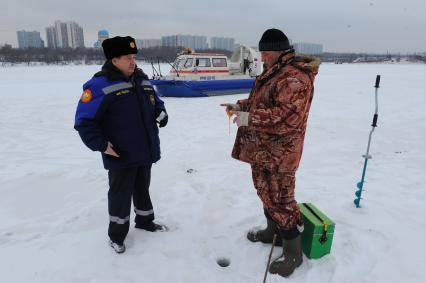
(162, 119)
(163, 122)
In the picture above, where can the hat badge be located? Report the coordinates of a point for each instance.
(132, 45)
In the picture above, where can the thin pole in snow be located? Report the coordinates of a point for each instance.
(367, 155)
(159, 68)
(269, 259)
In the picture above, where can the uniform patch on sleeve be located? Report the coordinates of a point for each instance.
(152, 99)
(86, 96)
(122, 92)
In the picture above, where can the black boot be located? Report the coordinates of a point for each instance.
(152, 227)
(293, 258)
(266, 235)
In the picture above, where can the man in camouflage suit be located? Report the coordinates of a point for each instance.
(272, 125)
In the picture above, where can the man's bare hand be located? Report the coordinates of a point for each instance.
(111, 151)
(231, 107)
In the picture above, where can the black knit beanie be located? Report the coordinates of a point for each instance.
(274, 40)
(118, 46)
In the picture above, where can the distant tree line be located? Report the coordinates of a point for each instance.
(49, 55)
(340, 58)
(415, 58)
(89, 56)
(84, 55)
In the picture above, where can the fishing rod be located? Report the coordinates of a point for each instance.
(159, 68)
(172, 65)
(154, 71)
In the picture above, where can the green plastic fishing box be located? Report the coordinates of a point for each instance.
(317, 235)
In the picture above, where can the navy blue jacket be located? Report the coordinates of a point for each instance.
(122, 111)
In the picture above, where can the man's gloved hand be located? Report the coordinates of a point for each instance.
(162, 119)
(231, 107)
(241, 119)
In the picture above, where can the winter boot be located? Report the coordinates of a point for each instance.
(152, 227)
(266, 235)
(292, 252)
(117, 247)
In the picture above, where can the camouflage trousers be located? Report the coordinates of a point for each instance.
(276, 191)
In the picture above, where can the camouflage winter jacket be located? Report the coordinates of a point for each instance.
(278, 107)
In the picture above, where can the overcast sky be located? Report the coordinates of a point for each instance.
(340, 25)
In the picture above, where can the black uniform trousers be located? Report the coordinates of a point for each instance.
(123, 183)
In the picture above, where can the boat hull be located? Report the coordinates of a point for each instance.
(188, 88)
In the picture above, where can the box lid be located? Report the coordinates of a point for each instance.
(317, 218)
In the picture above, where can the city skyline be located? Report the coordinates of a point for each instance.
(60, 36)
(376, 26)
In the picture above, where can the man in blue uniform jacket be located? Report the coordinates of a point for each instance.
(118, 115)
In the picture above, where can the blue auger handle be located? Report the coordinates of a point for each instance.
(360, 184)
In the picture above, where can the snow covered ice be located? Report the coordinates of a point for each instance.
(53, 204)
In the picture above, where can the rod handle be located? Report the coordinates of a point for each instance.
(376, 116)
(377, 81)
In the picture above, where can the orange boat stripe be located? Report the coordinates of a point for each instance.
(200, 72)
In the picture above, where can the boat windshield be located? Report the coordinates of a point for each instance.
(179, 63)
(188, 63)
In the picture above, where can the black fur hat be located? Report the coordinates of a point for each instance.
(118, 46)
(274, 40)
